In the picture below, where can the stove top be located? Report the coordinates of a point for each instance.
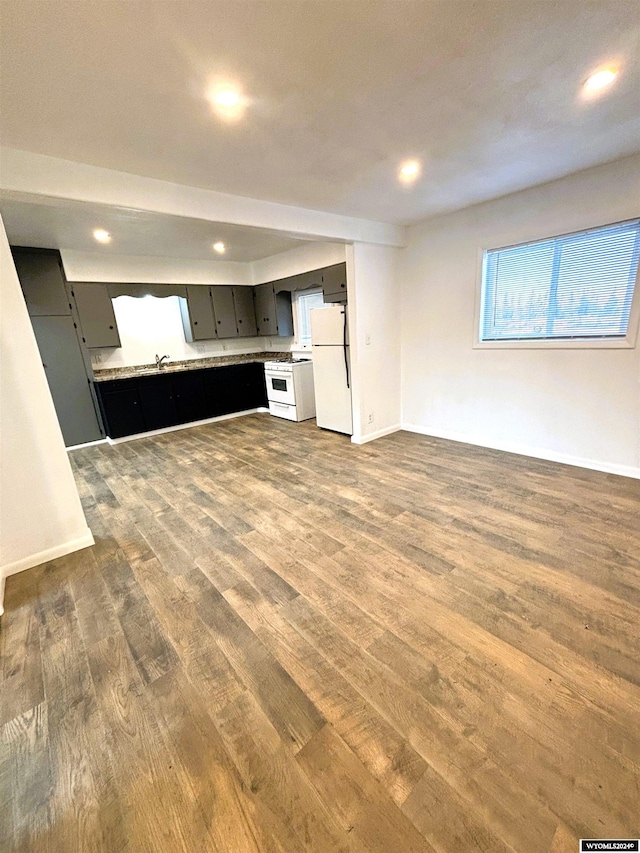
(287, 364)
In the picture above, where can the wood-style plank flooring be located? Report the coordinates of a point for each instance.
(284, 642)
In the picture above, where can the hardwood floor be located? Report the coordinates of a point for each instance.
(284, 642)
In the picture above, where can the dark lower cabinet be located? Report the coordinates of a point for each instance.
(258, 385)
(249, 389)
(130, 406)
(121, 409)
(217, 392)
(235, 388)
(191, 402)
(157, 398)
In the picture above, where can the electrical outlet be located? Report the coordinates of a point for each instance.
(370, 417)
(224, 347)
(97, 358)
(367, 340)
(201, 348)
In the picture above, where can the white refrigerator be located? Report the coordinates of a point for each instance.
(331, 368)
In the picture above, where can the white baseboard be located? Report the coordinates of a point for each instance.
(363, 439)
(177, 427)
(84, 541)
(86, 444)
(527, 450)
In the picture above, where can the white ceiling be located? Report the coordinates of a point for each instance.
(486, 92)
(63, 224)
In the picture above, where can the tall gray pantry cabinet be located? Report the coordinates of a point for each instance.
(56, 327)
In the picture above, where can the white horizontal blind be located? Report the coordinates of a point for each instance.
(576, 286)
(305, 302)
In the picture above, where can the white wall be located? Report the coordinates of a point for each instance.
(40, 514)
(97, 266)
(374, 329)
(301, 259)
(574, 405)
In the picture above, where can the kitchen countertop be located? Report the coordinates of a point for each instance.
(109, 373)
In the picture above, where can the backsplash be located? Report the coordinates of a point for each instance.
(152, 325)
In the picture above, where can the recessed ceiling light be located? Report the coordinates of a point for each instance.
(600, 80)
(227, 100)
(409, 171)
(219, 247)
(102, 236)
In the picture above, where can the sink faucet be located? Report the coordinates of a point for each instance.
(159, 361)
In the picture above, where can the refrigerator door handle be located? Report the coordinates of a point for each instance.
(344, 348)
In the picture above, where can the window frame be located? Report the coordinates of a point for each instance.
(627, 342)
(310, 291)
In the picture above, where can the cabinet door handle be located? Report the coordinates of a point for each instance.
(111, 327)
(219, 322)
(195, 322)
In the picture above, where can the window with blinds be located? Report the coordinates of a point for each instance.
(305, 301)
(564, 288)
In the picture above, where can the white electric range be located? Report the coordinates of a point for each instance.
(290, 389)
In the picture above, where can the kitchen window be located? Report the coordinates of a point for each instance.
(574, 288)
(305, 300)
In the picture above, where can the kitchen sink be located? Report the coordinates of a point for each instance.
(147, 371)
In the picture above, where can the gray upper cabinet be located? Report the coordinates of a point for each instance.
(224, 310)
(284, 313)
(198, 319)
(334, 283)
(265, 308)
(245, 315)
(97, 319)
(274, 315)
(42, 281)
